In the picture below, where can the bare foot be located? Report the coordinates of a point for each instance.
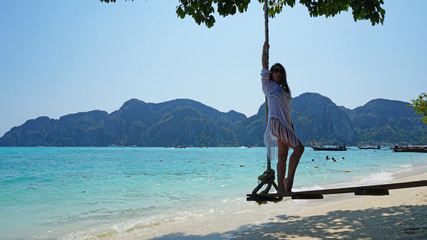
(281, 189)
(287, 187)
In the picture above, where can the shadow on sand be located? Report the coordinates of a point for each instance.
(400, 222)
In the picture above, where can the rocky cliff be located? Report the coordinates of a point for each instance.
(187, 122)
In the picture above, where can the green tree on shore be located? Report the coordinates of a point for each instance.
(420, 106)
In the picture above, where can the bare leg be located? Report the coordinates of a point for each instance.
(293, 163)
(281, 165)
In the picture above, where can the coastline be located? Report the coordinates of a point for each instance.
(402, 214)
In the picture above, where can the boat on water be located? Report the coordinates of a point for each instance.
(369, 147)
(410, 148)
(328, 147)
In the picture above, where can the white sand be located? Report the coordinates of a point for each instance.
(400, 215)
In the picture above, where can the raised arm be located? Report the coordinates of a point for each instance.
(265, 55)
(265, 74)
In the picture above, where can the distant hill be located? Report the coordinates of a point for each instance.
(317, 118)
(187, 122)
(383, 120)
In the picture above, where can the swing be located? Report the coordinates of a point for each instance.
(268, 177)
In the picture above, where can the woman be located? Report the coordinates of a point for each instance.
(280, 129)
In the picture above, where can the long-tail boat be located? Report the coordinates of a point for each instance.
(328, 148)
(369, 147)
(410, 148)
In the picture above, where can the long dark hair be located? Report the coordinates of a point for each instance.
(283, 80)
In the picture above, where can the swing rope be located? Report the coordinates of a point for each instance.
(266, 40)
(269, 175)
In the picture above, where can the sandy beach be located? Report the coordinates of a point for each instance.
(400, 215)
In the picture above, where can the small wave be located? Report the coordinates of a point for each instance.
(114, 229)
(232, 200)
(376, 178)
(310, 188)
(372, 179)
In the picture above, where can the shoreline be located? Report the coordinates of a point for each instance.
(402, 214)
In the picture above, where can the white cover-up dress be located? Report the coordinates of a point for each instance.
(279, 115)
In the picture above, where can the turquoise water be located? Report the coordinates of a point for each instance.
(77, 193)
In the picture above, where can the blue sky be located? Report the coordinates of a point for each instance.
(60, 57)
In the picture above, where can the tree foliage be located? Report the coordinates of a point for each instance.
(202, 10)
(420, 106)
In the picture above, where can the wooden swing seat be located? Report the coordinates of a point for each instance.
(376, 190)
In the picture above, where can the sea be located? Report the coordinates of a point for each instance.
(90, 192)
